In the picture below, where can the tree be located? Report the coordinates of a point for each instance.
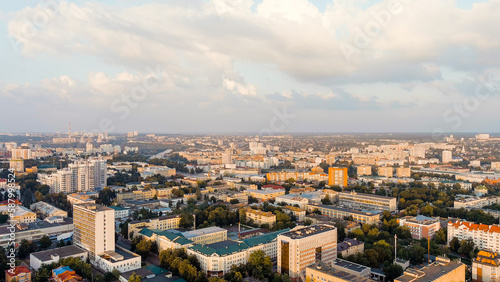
(454, 244)
(467, 248)
(281, 278)
(25, 248)
(260, 265)
(403, 232)
(393, 271)
(135, 278)
(45, 242)
(108, 277)
(440, 237)
(143, 248)
(234, 201)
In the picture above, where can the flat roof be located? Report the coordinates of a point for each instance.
(308, 231)
(429, 273)
(62, 252)
(202, 231)
(344, 210)
(350, 265)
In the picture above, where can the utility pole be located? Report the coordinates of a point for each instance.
(395, 247)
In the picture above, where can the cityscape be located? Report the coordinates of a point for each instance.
(249, 140)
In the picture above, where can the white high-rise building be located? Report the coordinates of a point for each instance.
(227, 157)
(447, 157)
(84, 175)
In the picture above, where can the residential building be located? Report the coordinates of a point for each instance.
(47, 210)
(386, 171)
(486, 267)
(362, 201)
(80, 198)
(475, 202)
(342, 213)
(120, 212)
(443, 270)
(364, 170)
(137, 195)
(485, 237)
(17, 165)
(267, 192)
(21, 153)
(18, 274)
(303, 246)
(260, 217)
(297, 176)
(292, 199)
(350, 247)
(403, 172)
(495, 165)
(54, 255)
(421, 226)
(337, 176)
(447, 157)
(299, 213)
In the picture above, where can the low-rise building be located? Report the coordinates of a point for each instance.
(352, 268)
(421, 226)
(160, 223)
(54, 255)
(475, 202)
(260, 217)
(320, 272)
(48, 210)
(354, 200)
(341, 213)
(80, 198)
(350, 247)
(119, 259)
(486, 267)
(267, 192)
(299, 213)
(18, 214)
(292, 200)
(121, 212)
(18, 274)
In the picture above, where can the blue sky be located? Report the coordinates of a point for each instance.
(228, 66)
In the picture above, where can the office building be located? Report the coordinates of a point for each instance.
(486, 267)
(485, 237)
(160, 223)
(354, 200)
(443, 270)
(303, 246)
(341, 213)
(320, 272)
(299, 213)
(337, 176)
(421, 226)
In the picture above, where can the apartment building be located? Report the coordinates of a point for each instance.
(403, 172)
(292, 199)
(79, 198)
(137, 195)
(341, 213)
(267, 192)
(421, 226)
(337, 176)
(362, 201)
(297, 176)
(495, 165)
(486, 267)
(47, 210)
(443, 270)
(299, 213)
(485, 237)
(350, 247)
(260, 217)
(18, 274)
(364, 170)
(475, 202)
(303, 246)
(160, 223)
(387, 171)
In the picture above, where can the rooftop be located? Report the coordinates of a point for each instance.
(345, 276)
(61, 252)
(430, 273)
(308, 231)
(350, 265)
(202, 231)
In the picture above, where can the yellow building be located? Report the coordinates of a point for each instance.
(364, 170)
(322, 272)
(160, 223)
(267, 192)
(443, 270)
(337, 176)
(261, 217)
(403, 172)
(341, 213)
(136, 195)
(299, 213)
(387, 171)
(20, 215)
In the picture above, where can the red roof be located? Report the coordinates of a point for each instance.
(273, 186)
(17, 271)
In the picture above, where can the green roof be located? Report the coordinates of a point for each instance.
(156, 269)
(118, 208)
(172, 236)
(263, 239)
(220, 248)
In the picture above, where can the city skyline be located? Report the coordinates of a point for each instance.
(240, 66)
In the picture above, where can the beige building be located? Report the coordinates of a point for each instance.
(486, 267)
(17, 165)
(350, 247)
(485, 237)
(47, 210)
(160, 223)
(341, 213)
(77, 198)
(403, 172)
(323, 272)
(303, 246)
(387, 171)
(145, 194)
(364, 170)
(443, 270)
(361, 201)
(421, 226)
(94, 228)
(267, 193)
(260, 217)
(20, 215)
(299, 213)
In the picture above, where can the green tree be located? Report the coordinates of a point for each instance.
(260, 265)
(403, 232)
(467, 248)
(393, 271)
(135, 278)
(45, 242)
(440, 237)
(25, 248)
(454, 244)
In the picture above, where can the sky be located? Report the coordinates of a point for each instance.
(269, 66)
